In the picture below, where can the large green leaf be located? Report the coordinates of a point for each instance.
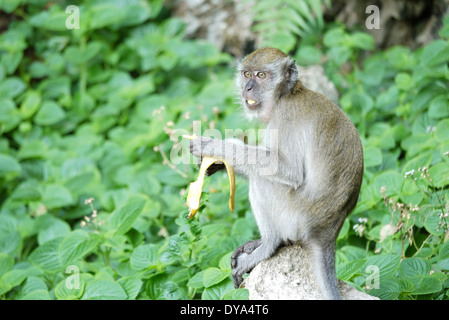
(49, 113)
(8, 165)
(212, 276)
(124, 218)
(388, 264)
(57, 196)
(103, 290)
(46, 256)
(413, 267)
(105, 14)
(144, 256)
(76, 245)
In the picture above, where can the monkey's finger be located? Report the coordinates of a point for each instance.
(237, 252)
(237, 278)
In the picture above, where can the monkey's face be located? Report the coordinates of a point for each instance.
(253, 81)
(264, 77)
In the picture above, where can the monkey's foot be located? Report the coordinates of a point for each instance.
(240, 263)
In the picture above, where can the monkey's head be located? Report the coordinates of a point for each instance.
(263, 77)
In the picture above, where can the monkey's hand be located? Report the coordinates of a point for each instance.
(202, 146)
(240, 261)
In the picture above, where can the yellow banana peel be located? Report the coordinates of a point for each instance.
(196, 187)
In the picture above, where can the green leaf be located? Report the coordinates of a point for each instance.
(444, 251)
(11, 87)
(29, 190)
(372, 157)
(65, 290)
(308, 55)
(414, 267)
(9, 115)
(8, 165)
(217, 291)
(363, 40)
(57, 196)
(9, 5)
(403, 81)
(76, 245)
(432, 222)
(387, 264)
(54, 21)
(103, 290)
(237, 294)
(33, 149)
(103, 15)
(124, 218)
(225, 262)
(196, 281)
(6, 263)
(389, 289)
(144, 256)
(434, 53)
(440, 174)
(347, 270)
(78, 56)
(213, 276)
(49, 114)
(46, 256)
(442, 130)
(10, 243)
(439, 107)
(52, 228)
(334, 37)
(391, 180)
(428, 284)
(443, 256)
(30, 104)
(12, 279)
(131, 285)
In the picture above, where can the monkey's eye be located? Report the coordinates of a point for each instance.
(261, 75)
(247, 74)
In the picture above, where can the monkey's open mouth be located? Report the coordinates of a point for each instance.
(251, 104)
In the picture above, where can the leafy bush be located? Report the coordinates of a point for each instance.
(92, 207)
(89, 208)
(399, 103)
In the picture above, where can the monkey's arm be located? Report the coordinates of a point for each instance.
(249, 160)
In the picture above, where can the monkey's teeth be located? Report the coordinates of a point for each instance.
(251, 101)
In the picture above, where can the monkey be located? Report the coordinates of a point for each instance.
(316, 159)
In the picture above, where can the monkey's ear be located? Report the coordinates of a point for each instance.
(291, 74)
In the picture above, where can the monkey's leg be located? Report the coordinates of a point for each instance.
(323, 253)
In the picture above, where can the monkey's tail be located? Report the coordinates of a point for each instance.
(324, 268)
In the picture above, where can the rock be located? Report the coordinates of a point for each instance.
(288, 275)
(314, 78)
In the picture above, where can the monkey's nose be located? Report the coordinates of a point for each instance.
(249, 85)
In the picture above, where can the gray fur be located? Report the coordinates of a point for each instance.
(309, 183)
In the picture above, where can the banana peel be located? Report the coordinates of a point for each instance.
(196, 187)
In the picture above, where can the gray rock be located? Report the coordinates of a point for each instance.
(314, 78)
(288, 275)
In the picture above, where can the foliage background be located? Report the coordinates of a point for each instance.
(92, 208)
